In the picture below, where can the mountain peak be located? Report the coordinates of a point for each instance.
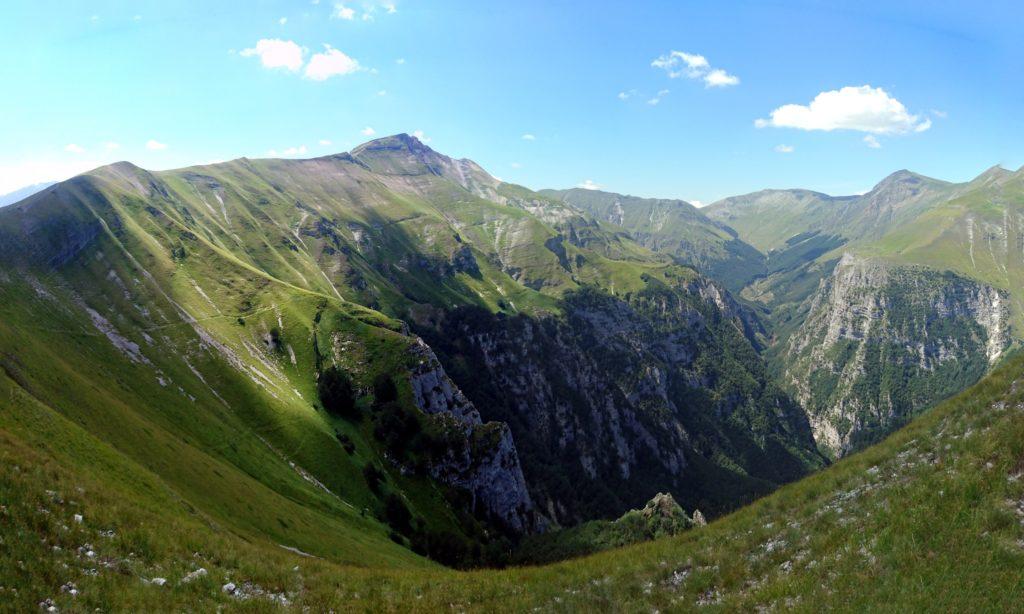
(993, 174)
(401, 142)
(902, 176)
(401, 154)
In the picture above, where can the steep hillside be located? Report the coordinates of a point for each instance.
(882, 304)
(880, 342)
(929, 519)
(673, 227)
(255, 326)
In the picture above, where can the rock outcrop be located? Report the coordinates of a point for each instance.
(487, 465)
(882, 342)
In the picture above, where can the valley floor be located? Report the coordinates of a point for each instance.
(930, 519)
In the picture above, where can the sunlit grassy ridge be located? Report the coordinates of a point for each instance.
(929, 519)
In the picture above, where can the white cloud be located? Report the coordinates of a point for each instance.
(720, 78)
(696, 203)
(864, 108)
(324, 142)
(516, 165)
(693, 66)
(872, 142)
(400, 61)
(277, 53)
(626, 95)
(154, 145)
(390, 8)
(589, 185)
(343, 12)
(680, 63)
(137, 18)
(785, 148)
(367, 131)
(329, 63)
(940, 114)
(282, 21)
(111, 145)
(529, 137)
(94, 18)
(382, 93)
(76, 149)
(422, 137)
(657, 97)
(294, 151)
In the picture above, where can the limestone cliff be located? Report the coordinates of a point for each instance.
(882, 342)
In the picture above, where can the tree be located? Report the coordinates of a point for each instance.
(397, 514)
(336, 393)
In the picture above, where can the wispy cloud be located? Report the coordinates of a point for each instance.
(678, 64)
(588, 184)
(111, 145)
(421, 136)
(872, 142)
(529, 137)
(657, 97)
(785, 149)
(864, 109)
(367, 131)
(343, 12)
(627, 94)
(73, 148)
(154, 145)
(325, 142)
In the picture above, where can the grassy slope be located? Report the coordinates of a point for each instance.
(928, 519)
(768, 218)
(672, 227)
(978, 234)
(188, 271)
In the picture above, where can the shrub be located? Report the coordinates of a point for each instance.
(397, 514)
(336, 393)
(384, 390)
(373, 477)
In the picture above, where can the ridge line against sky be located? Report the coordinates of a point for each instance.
(695, 102)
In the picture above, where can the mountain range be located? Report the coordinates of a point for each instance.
(388, 359)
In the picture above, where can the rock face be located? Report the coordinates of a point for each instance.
(620, 397)
(881, 342)
(487, 466)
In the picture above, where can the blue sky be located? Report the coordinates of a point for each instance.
(936, 87)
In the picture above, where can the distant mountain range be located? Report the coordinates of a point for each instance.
(23, 193)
